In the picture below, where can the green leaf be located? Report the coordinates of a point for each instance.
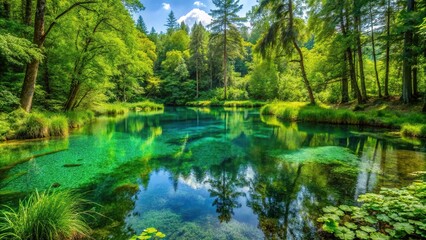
(351, 225)
(160, 235)
(330, 209)
(150, 230)
(408, 228)
(345, 208)
(383, 217)
(368, 229)
(345, 233)
(330, 226)
(379, 236)
(362, 235)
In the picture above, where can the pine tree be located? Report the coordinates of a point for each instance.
(140, 25)
(224, 25)
(197, 50)
(172, 23)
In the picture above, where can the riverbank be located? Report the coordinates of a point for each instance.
(410, 122)
(22, 125)
(213, 103)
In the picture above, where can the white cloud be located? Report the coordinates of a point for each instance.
(196, 15)
(199, 4)
(166, 6)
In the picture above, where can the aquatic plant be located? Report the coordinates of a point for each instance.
(149, 233)
(47, 215)
(393, 213)
(58, 126)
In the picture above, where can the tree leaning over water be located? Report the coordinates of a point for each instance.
(284, 33)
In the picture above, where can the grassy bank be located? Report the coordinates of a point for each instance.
(21, 125)
(410, 123)
(215, 103)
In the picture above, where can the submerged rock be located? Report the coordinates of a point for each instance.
(72, 165)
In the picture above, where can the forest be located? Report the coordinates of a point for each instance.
(66, 55)
(297, 107)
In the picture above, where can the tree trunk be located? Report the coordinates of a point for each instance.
(360, 59)
(197, 78)
(354, 82)
(75, 87)
(27, 6)
(387, 49)
(299, 51)
(407, 84)
(345, 83)
(225, 63)
(374, 53)
(28, 86)
(46, 77)
(6, 9)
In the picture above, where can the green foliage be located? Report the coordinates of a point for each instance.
(18, 50)
(58, 126)
(48, 215)
(247, 103)
(77, 119)
(414, 130)
(36, 125)
(149, 233)
(391, 214)
(9, 102)
(303, 112)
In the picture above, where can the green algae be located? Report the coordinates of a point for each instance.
(326, 154)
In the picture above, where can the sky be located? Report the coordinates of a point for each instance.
(190, 11)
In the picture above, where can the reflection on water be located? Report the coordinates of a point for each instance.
(209, 173)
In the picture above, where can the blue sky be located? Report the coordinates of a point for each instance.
(156, 11)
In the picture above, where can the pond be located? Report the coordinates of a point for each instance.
(206, 173)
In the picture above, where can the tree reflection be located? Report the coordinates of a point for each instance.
(225, 188)
(270, 199)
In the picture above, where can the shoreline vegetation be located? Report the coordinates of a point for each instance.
(20, 125)
(218, 103)
(409, 123)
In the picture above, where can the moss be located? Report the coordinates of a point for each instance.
(59, 126)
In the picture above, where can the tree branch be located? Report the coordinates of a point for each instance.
(61, 15)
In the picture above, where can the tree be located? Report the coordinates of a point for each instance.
(197, 49)
(140, 25)
(283, 33)
(224, 25)
(407, 84)
(28, 87)
(172, 23)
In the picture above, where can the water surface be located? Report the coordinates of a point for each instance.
(211, 173)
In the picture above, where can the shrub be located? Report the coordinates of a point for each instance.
(394, 213)
(414, 130)
(47, 215)
(78, 119)
(58, 126)
(8, 102)
(36, 125)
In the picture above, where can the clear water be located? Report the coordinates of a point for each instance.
(211, 173)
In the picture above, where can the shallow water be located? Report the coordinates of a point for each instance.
(211, 173)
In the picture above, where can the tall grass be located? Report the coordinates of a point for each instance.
(36, 125)
(114, 109)
(58, 126)
(46, 216)
(77, 119)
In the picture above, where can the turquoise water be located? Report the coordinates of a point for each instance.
(211, 173)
